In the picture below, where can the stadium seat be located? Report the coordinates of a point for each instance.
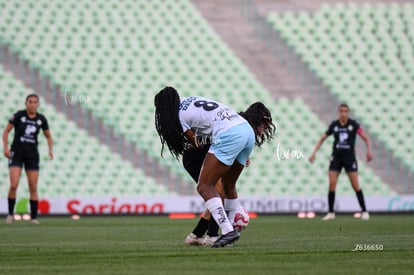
(121, 62)
(82, 166)
(376, 47)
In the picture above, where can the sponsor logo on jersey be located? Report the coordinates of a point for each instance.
(186, 102)
(227, 113)
(29, 140)
(30, 129)
(343, 137)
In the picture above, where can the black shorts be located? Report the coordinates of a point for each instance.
(348, 162)
(193, 161)
(29, 158)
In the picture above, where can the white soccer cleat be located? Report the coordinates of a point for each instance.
(192, 239)
(9, 219)
(365, 216)
(34, 221)
(329, 216)
(208, 241)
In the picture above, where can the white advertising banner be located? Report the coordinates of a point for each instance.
(194, 204)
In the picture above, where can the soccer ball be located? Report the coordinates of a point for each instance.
(241, 220)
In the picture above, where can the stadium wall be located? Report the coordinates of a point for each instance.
(194, 204)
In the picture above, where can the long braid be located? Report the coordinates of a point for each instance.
(167, 123)
(258, 115)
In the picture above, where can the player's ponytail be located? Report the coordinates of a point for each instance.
(258, 115)
(167, 123)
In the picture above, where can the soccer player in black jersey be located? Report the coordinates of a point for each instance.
(23, 152)
(343, 156)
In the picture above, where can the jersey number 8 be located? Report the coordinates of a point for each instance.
(207, 106)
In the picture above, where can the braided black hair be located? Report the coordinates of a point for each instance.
(258, 115)
(167, 123)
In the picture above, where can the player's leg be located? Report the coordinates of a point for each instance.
(213, 228)
(221, 163)
(32, 173)
(351, 168)
(335, 167)
(32, 179)
(211, 172)
(213, 201)
(192, 162)
(14, 176)
(231, 201)
(353, 178)
(333, 179)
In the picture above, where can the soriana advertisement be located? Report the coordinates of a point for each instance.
(194, 204)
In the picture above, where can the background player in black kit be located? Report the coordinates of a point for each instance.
(343, 155)
(27, 125)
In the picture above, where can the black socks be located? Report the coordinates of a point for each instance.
(12, 202)
(33, 209)
(213, 228)
(361, 200)
(331, 201)
(201, 227)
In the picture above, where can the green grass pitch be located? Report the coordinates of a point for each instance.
(155, 245)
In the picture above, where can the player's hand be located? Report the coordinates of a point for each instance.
(7, 153)
(51, 155)
(247, 162)
(312, 158)
(369, 156)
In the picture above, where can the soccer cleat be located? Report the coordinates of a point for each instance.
(329, 216)
(192, 239)
(208, 241)
(365, 216)
(9, 219)
(34, 221)
(226, 239)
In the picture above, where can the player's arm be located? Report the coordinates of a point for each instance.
(365, 138)
(6, 132)
(191, 136)
(49, 139)
(317, 146)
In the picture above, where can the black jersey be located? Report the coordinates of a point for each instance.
(27, 129)
(344, 135)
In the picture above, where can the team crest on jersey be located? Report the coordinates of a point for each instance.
(350, 128)
(23, 119)
(336, 129)
(39, 122)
